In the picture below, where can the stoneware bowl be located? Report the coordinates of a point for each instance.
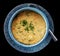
(22, 47)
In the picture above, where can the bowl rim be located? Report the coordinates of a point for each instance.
(29, 8)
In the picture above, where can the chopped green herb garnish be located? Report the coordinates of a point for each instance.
(27, 29)
(27, 26)
(31, 26)
(24, 23)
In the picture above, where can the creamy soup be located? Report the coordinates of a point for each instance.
(28, 27)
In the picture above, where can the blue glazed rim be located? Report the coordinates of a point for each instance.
(19, 47)
(33, 9)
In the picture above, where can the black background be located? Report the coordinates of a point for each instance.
(52, 6)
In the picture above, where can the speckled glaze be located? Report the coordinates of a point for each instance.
(18, 46)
